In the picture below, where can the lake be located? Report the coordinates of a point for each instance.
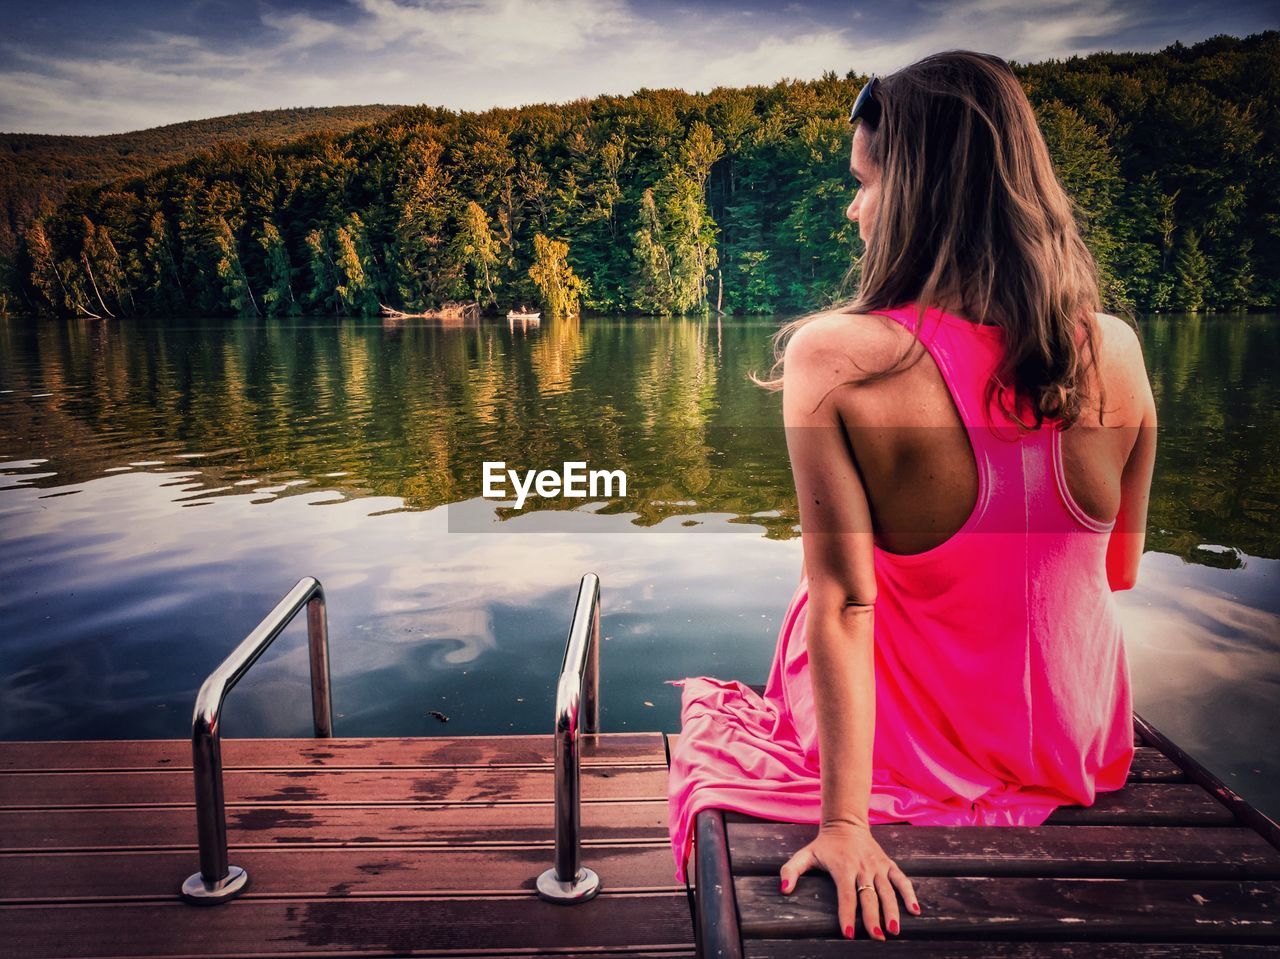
(164, 484)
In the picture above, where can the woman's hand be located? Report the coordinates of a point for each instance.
(853, 858)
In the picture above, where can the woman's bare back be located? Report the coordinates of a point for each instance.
(915, 458)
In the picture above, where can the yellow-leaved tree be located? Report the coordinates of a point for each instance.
(559, 285)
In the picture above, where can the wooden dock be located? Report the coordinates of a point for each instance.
(1173, 864)
(354, 847)
(431, 847)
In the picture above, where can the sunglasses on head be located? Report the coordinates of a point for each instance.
(867, 107)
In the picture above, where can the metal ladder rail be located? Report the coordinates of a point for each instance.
(577, 712)
(218, 881)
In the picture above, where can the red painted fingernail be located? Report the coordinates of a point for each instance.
(915, 907)
(893, 926)
(876, 932)
(848, 932)
(786, 885)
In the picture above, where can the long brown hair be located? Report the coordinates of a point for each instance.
(972, 213)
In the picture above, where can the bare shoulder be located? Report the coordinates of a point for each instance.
(1119, 338)
(1123, 367)
(844, 343)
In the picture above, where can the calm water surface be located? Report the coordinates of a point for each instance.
(163, 484)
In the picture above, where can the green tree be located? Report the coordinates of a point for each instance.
(237, 291)
(355, 285)
(690, 235)
(757, 291)
(1238, 276)
(653, 288)
(690, 228)
(324, 274)
(112, 270)
(427, 275)
(158, 272)
(1193, 275)
(88, 254)
(1090, 173)
(278, 297)
(477, 249)
(45, 277)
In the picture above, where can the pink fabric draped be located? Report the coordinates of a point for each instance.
(1002, 688)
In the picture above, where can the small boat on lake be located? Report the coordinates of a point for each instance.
(513, 315)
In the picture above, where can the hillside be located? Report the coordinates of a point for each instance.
(37, 167)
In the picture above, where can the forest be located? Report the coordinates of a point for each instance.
(38, 170)
(661, 202)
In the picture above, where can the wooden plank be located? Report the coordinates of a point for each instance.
(682, 953)
(1157, 804)
(604, 748)
(962, 949)
(423, 926)
(1164, 804)
(717, 915)
(1064, 851)
(326, 871)
(625, 953)
(1169, 910)
(262, 826)
(299, 787)
(1152, 766)
(607, 954)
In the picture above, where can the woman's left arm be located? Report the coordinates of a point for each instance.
(836, 534)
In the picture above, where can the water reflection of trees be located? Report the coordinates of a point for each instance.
(411, 412)
(1218, 463)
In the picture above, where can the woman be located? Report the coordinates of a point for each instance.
(967, 506)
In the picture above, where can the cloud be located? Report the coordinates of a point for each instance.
(301, 31)
(474, 54)
(1037, 30)
(510, 31)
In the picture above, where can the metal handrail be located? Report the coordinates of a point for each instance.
(218, 881)
(577, 712)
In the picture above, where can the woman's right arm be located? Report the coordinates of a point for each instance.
(836, 535)
(1128, 536)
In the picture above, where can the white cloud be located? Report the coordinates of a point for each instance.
(301, 31)
(1036, 30)
(512, 31)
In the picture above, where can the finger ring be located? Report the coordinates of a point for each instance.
(867, 886)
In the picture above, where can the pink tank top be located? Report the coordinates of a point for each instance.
(1000, 652)
(1002, 687)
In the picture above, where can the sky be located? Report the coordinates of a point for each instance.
(110, 66)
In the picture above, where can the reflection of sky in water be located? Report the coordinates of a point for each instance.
(119, 601)
(135, 603)
(1204, 652)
